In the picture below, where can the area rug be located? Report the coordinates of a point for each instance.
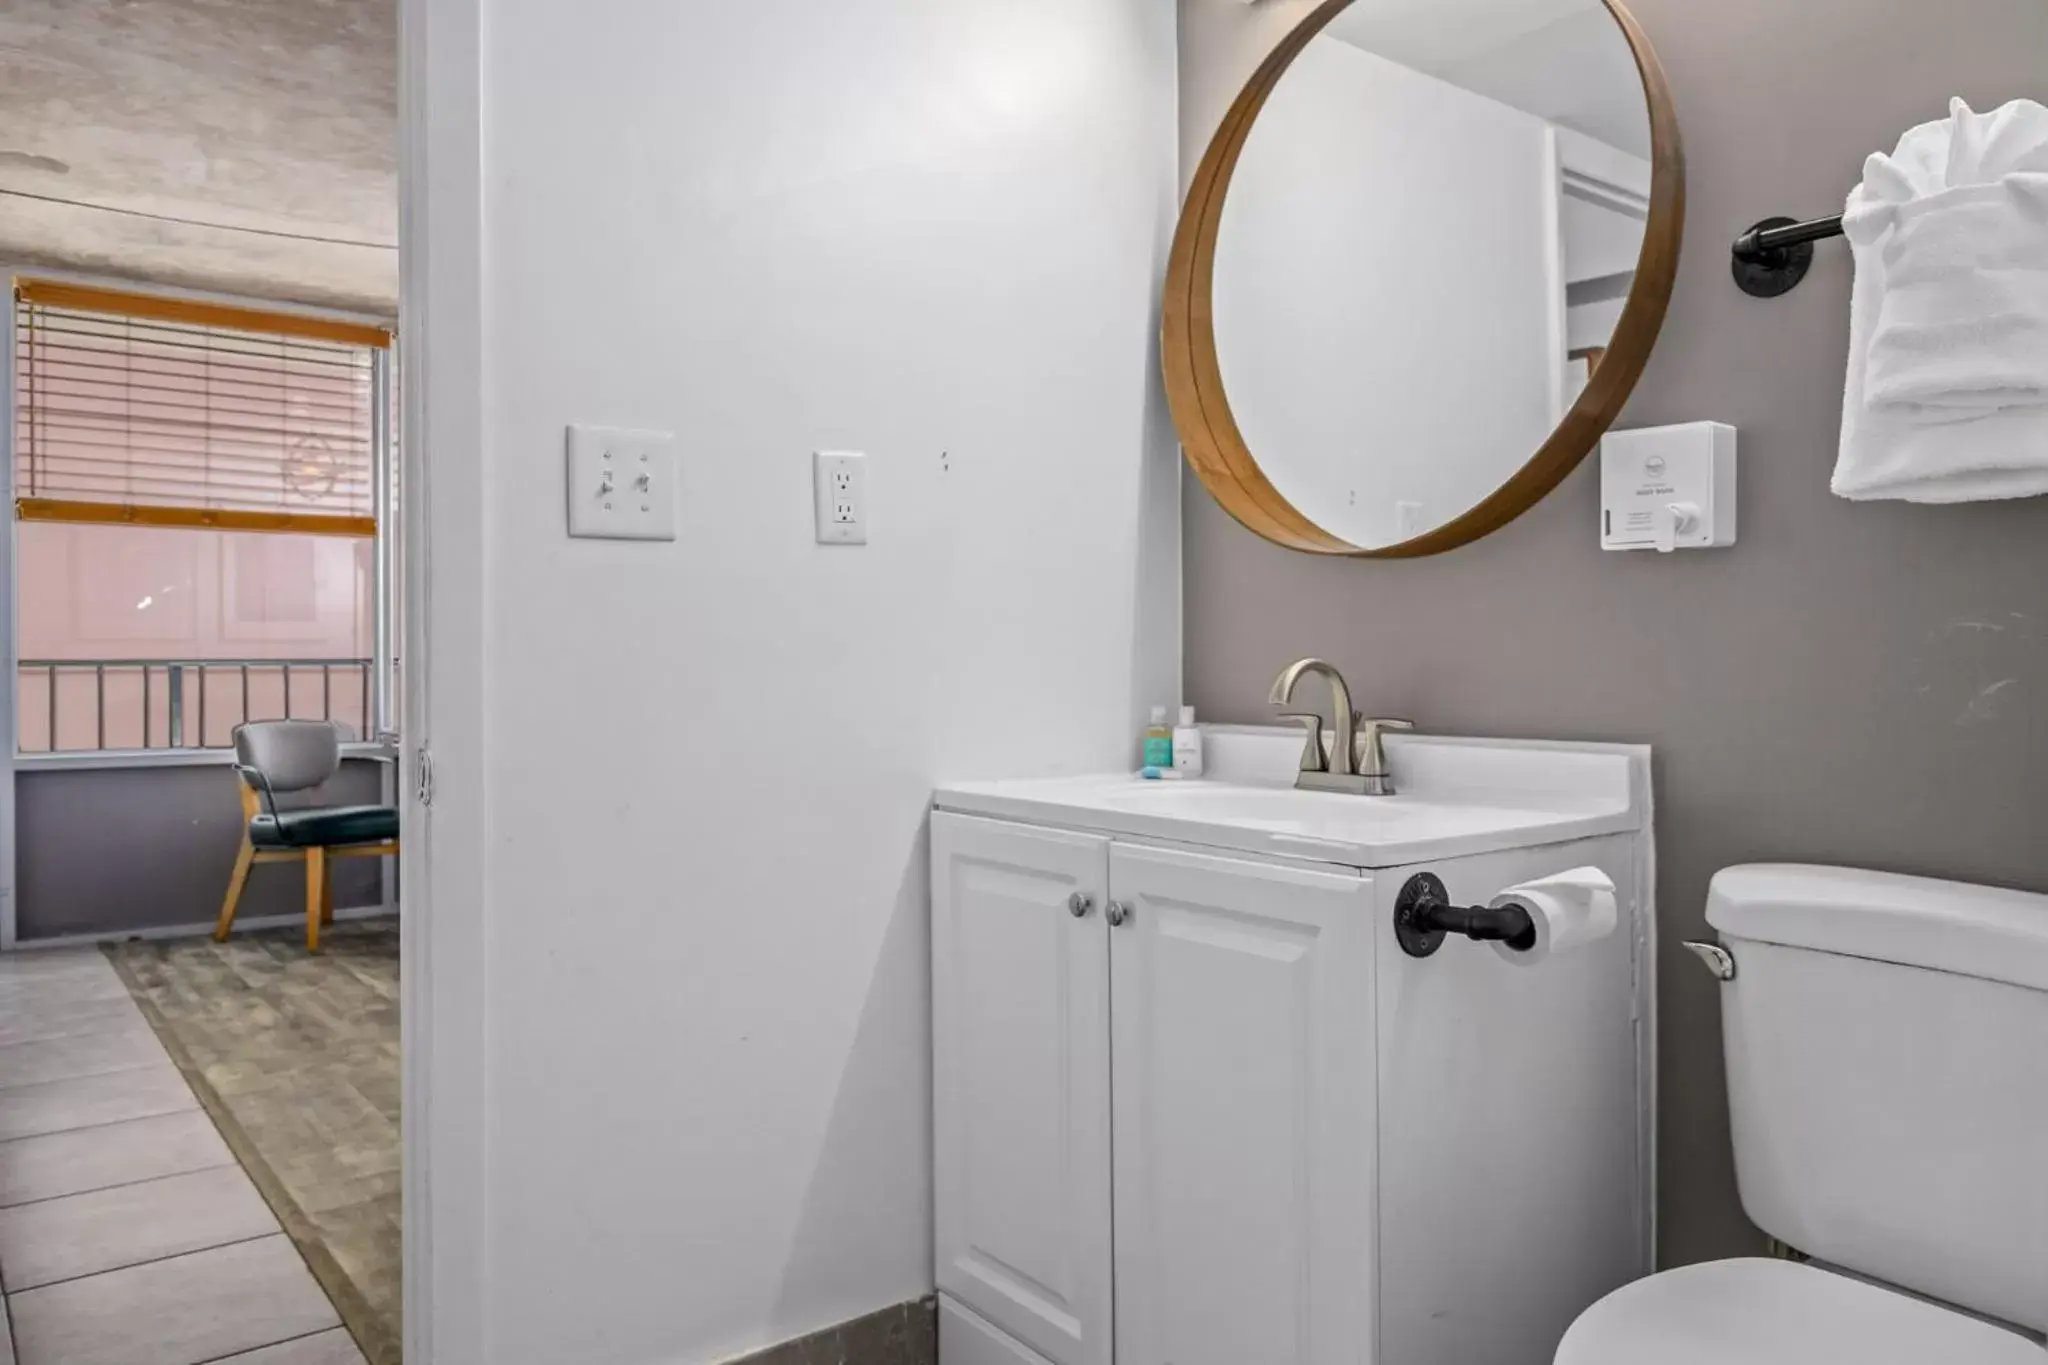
(295, 1057)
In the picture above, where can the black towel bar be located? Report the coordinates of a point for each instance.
(1774, 256)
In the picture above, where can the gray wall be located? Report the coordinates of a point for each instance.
(1854, 684)
(112, 851)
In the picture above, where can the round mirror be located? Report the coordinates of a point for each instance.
(1421, 267)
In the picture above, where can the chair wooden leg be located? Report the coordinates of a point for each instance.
(238, 879)
(316, 888)
(327, 896)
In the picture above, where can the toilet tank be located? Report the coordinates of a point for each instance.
(1887, 1050)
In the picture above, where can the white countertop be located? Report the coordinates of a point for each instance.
(1456, 797)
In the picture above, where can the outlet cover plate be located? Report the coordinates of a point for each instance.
(839, 479)
(622, 483)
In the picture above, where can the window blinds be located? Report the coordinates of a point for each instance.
(138, 409)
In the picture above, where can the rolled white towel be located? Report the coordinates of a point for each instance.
(1947, 392)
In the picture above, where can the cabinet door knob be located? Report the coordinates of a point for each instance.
(1118, 914)
(1081, 905)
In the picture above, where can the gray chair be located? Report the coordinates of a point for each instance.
(273, 756)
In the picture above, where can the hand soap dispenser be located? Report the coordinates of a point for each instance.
(1668, 488)
(1187, 745)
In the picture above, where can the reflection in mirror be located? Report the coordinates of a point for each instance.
(1425, 248)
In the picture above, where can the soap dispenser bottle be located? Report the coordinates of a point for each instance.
(1187, 744)
(1158, 742)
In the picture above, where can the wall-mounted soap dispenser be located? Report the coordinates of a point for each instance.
(1668, 488)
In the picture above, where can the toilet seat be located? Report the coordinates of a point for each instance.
(1767, 1312)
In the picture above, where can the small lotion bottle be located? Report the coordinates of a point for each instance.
(1159, 741)
(1187, 745)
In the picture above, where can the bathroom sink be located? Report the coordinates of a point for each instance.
(1455, 797)
(1283, 808)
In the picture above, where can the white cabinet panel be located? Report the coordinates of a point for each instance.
(1021, 1081)
(1511, 1196)
(965, 1338)
(1244, 1110)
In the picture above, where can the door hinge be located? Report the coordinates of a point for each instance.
(423, 772)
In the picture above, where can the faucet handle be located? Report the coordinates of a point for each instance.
(1371, 754)
(1313, 760)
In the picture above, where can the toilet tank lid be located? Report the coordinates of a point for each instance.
(1980, 931)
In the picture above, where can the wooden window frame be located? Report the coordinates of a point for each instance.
(90, 298)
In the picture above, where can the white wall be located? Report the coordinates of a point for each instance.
(1599, 239)
(929, 229)
(1388, 248)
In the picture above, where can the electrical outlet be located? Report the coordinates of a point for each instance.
(840, 485)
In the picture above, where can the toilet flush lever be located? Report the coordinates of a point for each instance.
(1717, 958)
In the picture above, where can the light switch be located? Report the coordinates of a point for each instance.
(622, 483)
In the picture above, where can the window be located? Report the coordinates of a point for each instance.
(197, 505)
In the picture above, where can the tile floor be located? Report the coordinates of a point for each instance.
(128, 1235)
(296, 1058)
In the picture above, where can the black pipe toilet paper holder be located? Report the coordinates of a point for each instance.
(1424, 916)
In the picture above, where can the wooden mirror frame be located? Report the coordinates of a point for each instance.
(1209, 434)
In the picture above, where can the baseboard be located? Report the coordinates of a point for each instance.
(907, 1334)
(967, 1338)
(194, 930)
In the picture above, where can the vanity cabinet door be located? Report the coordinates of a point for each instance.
(1245, 1111)
(1020, 995)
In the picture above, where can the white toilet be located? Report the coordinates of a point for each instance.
(1887, 1049)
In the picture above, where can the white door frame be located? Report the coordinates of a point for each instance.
(10, 685)
(443, 871)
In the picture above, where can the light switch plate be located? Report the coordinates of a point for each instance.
(622, 483)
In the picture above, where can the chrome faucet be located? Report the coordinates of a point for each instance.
(1357, 762)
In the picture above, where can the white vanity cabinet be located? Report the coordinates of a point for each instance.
(1195, 1106)
(1233, 1083)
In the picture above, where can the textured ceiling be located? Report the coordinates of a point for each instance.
(1433, 35)
(248, 146)
(1566, 61)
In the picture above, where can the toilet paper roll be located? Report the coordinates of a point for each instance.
(1569, 910)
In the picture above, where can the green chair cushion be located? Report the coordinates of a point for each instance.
(325, 827)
